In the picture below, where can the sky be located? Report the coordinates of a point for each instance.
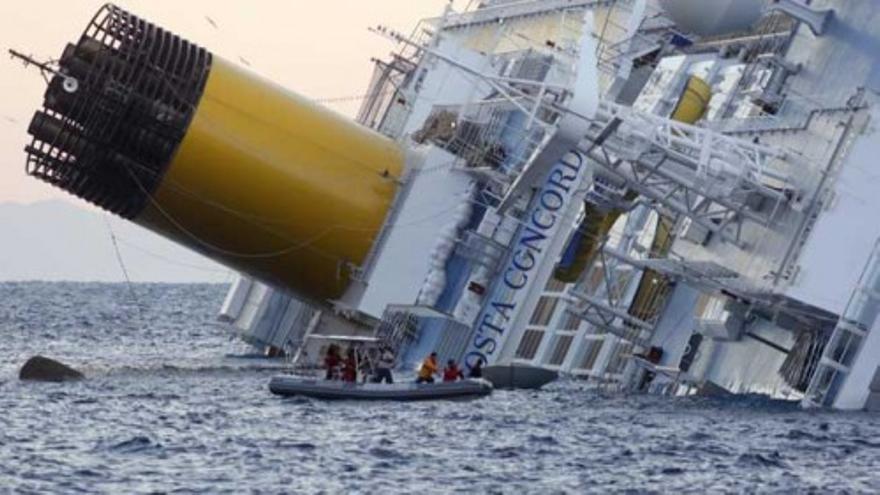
(318, 48)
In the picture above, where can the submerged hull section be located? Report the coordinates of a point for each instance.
(518, 376)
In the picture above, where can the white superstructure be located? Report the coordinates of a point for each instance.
(607, 189)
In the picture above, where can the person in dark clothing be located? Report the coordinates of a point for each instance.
(477, 369)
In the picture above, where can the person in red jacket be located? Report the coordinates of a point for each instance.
(331, 362)
(349, 366)
(452, 372)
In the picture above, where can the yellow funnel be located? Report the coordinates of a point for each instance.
(165, 134)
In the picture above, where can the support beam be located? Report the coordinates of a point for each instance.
(816, 19)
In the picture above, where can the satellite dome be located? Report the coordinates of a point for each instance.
(714, 17)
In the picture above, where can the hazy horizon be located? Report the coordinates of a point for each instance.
(55, 240)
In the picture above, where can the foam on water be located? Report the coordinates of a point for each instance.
(162, 410)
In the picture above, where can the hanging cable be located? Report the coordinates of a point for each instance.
(122, 267)
(169, 260)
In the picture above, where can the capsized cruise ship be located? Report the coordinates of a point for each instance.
(659, 196)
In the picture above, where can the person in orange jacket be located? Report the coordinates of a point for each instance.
(428, 369)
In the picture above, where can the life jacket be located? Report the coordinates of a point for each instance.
(349, 371)
(451, 373)
(429, 367)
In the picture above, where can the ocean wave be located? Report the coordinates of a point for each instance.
(162, 409)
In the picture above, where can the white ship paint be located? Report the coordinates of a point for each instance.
(767, 284)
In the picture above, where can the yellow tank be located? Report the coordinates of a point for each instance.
(590, 233)
(654, 287)
(216, 158)
(694, 101)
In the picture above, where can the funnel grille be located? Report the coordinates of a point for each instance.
(114, 118)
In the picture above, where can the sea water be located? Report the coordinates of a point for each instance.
(163, 410)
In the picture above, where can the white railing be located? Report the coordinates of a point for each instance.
(714, 154)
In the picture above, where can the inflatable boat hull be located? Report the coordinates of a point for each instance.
(335, 390)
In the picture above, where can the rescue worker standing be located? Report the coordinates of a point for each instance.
(386, 363)
(428, 370)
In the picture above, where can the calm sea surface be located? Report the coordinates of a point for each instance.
(164, 411)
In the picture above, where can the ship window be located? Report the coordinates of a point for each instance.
(702, 302)
(570, 322)
(843, 348)
(560, 350)
(594, 279)
(592, 348)
(618, 360)
(554, 285)
(710, 307)
(528, 346)
(544, 311)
